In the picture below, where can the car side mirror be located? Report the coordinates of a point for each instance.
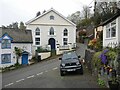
(79, 56)
(60, 58)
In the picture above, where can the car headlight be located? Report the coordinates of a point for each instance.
(78, 63)
(63, 64)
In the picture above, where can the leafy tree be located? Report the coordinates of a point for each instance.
(15, 25)
(22, 26)
(4, 27)
(9, 26)
(18, 53)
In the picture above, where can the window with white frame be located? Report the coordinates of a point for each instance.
(37, 31)
(51, 31)
(111, 29)
(65, 41)
(37, 41)
(65, 33)
(6, 44)
(5, 58)
(108, 33)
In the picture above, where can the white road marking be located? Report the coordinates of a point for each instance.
(40, 73)
(9, 84)
(31, 76)
(20, 80)
(55, 68)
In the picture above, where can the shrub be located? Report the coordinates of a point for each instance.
(111, 55)
(96, 60)
(40, 49)
(101, 82)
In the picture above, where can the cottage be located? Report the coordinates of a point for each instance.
(52, 30)
(11, 38)
(111, 31)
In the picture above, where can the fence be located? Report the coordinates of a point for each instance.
(113, 44)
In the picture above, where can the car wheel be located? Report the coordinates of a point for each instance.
(62, 73)
(81, 71)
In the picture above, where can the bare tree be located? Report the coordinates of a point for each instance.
(86, 12)
(75, 17)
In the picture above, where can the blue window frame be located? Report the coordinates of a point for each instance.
(6, 44)
(5, 58)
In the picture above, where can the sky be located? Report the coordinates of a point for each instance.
(24, 10)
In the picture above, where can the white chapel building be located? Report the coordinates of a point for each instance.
(52, 29)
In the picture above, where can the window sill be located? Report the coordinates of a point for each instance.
(52, 35)
(5, 48)
(110, 38)
(6, 63)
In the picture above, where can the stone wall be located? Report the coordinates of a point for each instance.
(88, 58)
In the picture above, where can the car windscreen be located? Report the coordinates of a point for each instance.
(69, 56)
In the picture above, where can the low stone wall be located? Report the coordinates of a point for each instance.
(88, 58)
(44, 55)
(58, 52)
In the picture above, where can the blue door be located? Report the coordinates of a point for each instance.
(25, 59)
(52, 43)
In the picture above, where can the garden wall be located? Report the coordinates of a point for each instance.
(88, 58)
(44, 55)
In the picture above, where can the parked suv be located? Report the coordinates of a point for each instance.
(70, 62)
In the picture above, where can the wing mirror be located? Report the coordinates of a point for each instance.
(60, 58)
(79, 56)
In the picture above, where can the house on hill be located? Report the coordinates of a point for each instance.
(11, 38)
(52, 30)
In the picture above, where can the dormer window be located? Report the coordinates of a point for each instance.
(6, 44)
(51, 17)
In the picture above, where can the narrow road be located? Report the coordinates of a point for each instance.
(46, 75)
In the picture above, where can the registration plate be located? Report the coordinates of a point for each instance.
(71, 70)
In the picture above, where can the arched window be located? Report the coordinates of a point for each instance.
(65, 32)
(51, 17)
(51, 31)
(37, 31)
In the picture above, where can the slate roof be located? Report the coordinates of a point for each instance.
(18, 36)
